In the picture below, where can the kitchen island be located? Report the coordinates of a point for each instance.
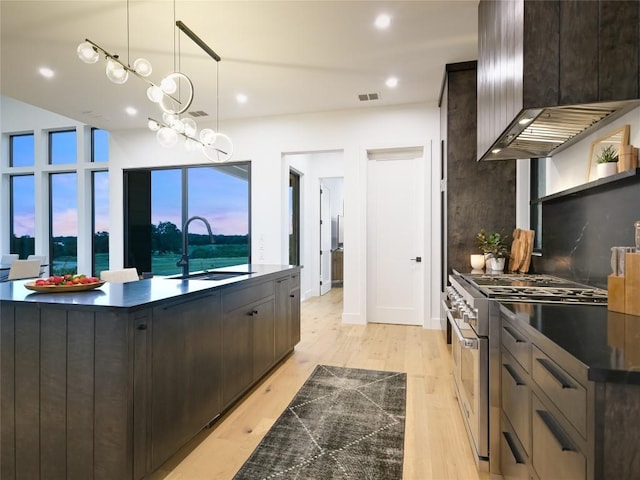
(570, 392)
(109, 383)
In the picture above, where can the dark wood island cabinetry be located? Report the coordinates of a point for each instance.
(108, 384)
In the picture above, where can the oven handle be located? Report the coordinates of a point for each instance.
(466, 343)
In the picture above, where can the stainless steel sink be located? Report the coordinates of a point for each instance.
(210, 275)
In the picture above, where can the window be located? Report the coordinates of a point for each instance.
(99, 145)
(63, 203)
(100, 221)
(21, 150)
(538, 190)
(62, 147)
(22, 214)
(158, 203)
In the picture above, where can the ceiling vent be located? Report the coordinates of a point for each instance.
(365, 97)
(199, 113)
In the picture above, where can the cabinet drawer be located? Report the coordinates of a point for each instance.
(516, 399)
(234, 299)
(517, 344)
(513, 460)
(562, 389)
(555, 455)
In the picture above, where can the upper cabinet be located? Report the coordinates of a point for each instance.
(550, 72)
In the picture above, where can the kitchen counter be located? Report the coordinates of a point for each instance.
(606, 342)
(142, 293)
(109, 383)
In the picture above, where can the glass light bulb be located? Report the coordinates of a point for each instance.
(167, 137)
(154, 93)
(116, 72)
(153, 125)
(87, 53)
(168, 85)
(207, 136)
(169, 118)
(190, 127)
(178, 126)
(142, 66)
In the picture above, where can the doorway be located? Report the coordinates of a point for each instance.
(395, 236)
(314, 168)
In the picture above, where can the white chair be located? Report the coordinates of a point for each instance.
(43, 261)
(8, 258)
(120, 276)
(24, 269)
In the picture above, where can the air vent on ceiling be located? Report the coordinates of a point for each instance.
(364, 97)
(199, 113)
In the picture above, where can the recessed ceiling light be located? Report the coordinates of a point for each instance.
(131, 111)
(383, 21)
(392, 82)
(241, 98)
(46, 72)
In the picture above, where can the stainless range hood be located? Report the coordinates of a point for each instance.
(543, 83)
(539, 133)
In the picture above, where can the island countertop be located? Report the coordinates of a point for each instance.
(136, 294)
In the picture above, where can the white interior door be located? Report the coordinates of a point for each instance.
(325, 239)
(395, 238)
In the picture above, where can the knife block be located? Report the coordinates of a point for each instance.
(632, 283)
(615, 293)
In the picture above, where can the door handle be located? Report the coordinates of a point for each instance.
(417, 259)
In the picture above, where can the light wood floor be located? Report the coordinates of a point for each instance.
(436, 445)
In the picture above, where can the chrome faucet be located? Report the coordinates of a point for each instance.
(184, 260)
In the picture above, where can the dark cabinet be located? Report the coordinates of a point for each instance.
(263, 317)
(283, 322)
(237, 364)
(186, 372)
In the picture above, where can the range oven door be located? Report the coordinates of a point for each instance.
(470, 358)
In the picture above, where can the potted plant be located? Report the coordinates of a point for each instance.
(607, 161)
(494, 247)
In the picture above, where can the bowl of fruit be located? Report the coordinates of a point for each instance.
(64, 283)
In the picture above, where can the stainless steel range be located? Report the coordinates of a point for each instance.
(471, 306)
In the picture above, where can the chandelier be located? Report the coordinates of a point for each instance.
(174, 95)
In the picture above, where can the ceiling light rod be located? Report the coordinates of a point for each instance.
(116, 58)
(198, 41)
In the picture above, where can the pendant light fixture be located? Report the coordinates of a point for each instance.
(174, 95)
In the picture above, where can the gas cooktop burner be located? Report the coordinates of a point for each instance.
(536, 288)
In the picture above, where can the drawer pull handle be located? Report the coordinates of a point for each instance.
(513, 335)
(555, 374)
(512, 446)
(292, 296)
(556, 431)
(512, 373)
(253, 312)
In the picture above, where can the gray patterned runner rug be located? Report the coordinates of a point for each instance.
(344, 423)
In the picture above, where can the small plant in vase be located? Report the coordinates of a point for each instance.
(494, 248)
(607, 161)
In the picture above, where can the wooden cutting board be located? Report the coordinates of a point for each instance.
(521, 249)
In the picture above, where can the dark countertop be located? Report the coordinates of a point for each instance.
(135, 294)
(607, 342)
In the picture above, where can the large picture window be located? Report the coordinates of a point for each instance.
(100, 217)
(62, 147)
(154, 229)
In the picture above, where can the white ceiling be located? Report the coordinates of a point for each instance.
(286, 56)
